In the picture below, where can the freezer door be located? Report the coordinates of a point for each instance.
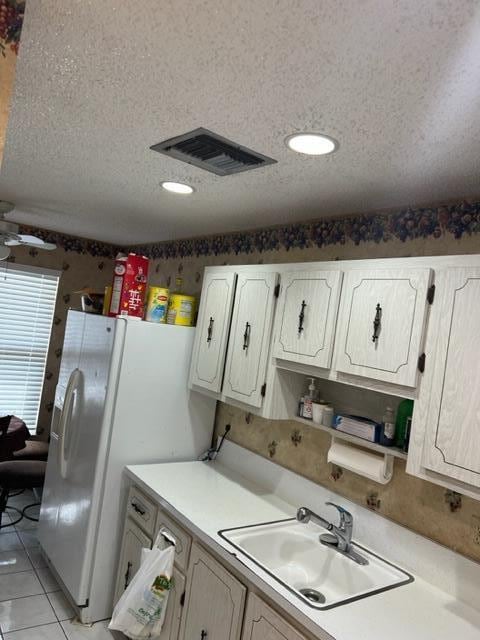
(74, 477)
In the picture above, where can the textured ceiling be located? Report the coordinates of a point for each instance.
(396, 82)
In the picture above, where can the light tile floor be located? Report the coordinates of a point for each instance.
(32, 607)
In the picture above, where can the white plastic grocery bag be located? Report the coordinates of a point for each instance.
(140, 612)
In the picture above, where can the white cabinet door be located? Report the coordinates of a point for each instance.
(212, 331)
(263, 623)
(453, 422)
(308, 311)
(250, 337)
(173, 615)
(381, 324)
(134, 540)
(214, 601)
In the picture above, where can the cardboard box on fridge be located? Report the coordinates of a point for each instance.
(129, 286)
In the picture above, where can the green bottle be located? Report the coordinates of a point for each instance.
(404, 411)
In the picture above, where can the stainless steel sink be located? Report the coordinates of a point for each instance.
(292, 554)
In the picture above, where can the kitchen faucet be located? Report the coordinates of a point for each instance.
(340, 538)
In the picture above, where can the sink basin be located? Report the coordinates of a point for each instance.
(291, 553)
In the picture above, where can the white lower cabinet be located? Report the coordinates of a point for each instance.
(263, 623)
(214, 600)
(173, 616)
(134, 540)
(209, 602)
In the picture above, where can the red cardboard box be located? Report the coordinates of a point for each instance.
(129, 286)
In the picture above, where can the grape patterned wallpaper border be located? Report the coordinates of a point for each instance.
(457, 220)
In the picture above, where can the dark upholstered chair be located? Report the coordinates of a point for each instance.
(17, 475)
(35, 449)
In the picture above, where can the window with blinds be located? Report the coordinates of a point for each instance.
(27, 303)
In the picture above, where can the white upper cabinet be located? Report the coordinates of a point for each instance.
(381, 324)
(306, 317)
(250, 336)
(452, 442)
(212, 330)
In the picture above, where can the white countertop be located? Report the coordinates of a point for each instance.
(208, 497)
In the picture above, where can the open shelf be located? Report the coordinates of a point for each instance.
(340, 435)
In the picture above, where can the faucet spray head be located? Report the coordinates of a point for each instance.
(303, 515)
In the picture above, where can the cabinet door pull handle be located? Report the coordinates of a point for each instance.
(377, 322)
(138, 509)
(301, 317)
(203, 635)
(246, 336)
(210, 330)
(127, 574)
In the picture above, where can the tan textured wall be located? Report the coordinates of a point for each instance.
(7, 76)
(77, 271)
(417, 504)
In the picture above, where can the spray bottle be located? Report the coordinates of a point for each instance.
(308, 400)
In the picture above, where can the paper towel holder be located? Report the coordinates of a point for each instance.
(359, 461)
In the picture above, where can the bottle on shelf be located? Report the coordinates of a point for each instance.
(404, 411)
(300, 406)
(308, 400)
(387, 433)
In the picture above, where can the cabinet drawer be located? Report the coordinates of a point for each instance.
(142, 510)
(183, 540)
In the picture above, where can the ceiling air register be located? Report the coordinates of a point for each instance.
(212, 152)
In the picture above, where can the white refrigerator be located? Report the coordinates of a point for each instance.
(122, 398)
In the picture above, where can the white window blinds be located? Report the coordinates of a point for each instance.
(27, 303)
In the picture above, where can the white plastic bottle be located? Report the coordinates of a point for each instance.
(308, 400)
(387, 435)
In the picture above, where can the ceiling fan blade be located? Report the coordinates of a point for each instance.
(30, 241)
(4, 252)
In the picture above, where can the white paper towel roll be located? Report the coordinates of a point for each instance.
(376, 467)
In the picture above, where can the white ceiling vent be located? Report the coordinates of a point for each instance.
(211, 152)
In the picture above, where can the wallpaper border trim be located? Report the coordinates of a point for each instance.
(409, 223)
(405, 224)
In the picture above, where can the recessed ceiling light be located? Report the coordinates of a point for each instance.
(178, 187)
(312, 144)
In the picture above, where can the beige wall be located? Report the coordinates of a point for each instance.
(417, 504)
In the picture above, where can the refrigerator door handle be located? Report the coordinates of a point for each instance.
(65, 420)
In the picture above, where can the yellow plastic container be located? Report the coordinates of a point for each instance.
(157, 305)
(181, 310)
(106, 300)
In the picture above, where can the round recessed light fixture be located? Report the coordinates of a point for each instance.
(178, 187)
(312, 144)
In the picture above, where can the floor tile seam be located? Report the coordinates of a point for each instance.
(35, 626)
(30, 595)
(56, 615)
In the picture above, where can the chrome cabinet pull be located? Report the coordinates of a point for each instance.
(127, 574)
(377, 322)
(210, 330)
(301, 317)
(246, 336)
